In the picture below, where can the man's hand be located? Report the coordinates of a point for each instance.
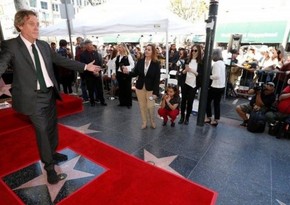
(256, 107)
(93, 68)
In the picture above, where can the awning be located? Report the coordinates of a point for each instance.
(124, 38)
(253, 32)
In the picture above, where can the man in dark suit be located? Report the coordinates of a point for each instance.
(93, 81)
(34, 87)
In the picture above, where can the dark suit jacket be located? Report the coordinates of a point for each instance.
(87, 57)
(24, 83)
(152, 78)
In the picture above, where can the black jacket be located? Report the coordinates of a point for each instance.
(87, 57)
(152, 78)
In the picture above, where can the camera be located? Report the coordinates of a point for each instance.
(258, 86)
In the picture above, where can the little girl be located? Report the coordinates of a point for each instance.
(170, 105)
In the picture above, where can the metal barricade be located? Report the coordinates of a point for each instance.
(248, 80)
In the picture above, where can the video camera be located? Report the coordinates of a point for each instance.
(259, 86)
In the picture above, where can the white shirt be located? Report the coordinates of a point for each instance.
(47, 79)
(111, 64)
(192, 73)
(146, 67)
(218, 74)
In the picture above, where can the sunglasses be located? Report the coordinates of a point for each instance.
(195, 50)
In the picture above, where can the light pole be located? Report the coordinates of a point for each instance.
(1, 33)
(210, 33)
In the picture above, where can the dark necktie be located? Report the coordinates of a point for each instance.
(39, 74)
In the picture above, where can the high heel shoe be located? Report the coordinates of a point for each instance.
(208, 120)
(181, 120)
(214, 123)
(144, 126)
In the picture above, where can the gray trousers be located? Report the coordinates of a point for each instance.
(44, 121)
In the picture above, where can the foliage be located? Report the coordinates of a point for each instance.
(190, 10)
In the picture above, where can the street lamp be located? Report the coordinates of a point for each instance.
(210, 33)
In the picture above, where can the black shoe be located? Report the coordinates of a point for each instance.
(58, 157)
(181, 120)
(52, 177)
(129, 107)
(186, 122)
(214, 123)
(93, 104)
(245, 123)
(104, 104)
(172, 124)
(164, 123)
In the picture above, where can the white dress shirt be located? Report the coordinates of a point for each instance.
(47, 79)
(111, 64)
(146, 67)
(192, 73)
(218, 74)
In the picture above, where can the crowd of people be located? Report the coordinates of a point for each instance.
(41, 70)
(250, 65)
(265, 73)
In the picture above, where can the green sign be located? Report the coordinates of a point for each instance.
(253, 32)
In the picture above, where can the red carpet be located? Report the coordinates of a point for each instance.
(11, 120)
(127, 180)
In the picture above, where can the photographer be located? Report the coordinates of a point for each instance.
(283, 107)
(262, 100)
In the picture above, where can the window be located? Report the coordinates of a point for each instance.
(55, 7)
(43, 5)
(32, 3)
(45, 16)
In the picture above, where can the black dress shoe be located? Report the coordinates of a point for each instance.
(129, 107)
(58, 157)
(52, 177)
(181, 120)
(164, 123)
(172, 124)
(186, 122)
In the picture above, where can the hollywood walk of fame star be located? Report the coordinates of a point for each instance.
(67, 168)
(84, 129)
(280, 202)
(162, 162)
(4, 89)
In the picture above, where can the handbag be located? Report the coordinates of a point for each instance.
(257, 122)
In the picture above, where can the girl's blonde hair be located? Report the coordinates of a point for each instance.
(126, 50)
